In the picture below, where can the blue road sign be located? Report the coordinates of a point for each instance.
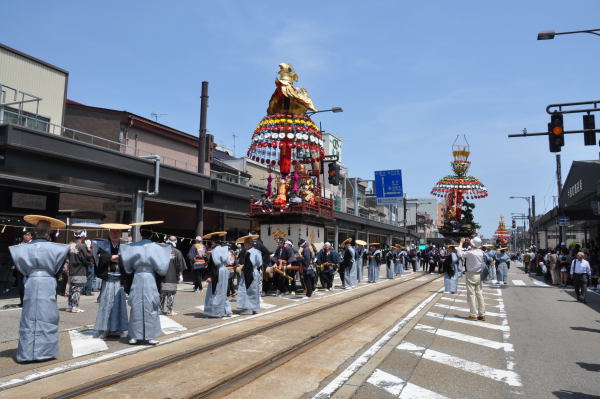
(564, 219)
(388, 186)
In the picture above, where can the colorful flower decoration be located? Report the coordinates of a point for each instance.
(296, 132)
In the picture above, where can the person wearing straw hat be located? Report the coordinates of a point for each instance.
(78, 261)
(400, 260)
(489, 256)
(216, 303)
(168, 284)
(112, 318)
(474, 263)
(39, 261)
(348, 264)
(503, 263)
(374, 262)
(250, 258)
(145, 259)
(451, 267)
(359, 253)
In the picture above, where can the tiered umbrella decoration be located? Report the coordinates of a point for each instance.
(502, 234)
(284, 139)
(458, 187)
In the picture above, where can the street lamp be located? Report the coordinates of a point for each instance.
(550, 34)
(528, 199)
(335, 110)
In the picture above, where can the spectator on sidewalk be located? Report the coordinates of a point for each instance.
(580, 273)
(553, 266)
(473, 265)
(563, 262)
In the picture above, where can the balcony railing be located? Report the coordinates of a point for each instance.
(40, 124)
(322, 208)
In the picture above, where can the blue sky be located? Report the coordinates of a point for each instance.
(409, 75)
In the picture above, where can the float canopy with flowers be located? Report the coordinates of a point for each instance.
(456, 188)
(502, 234)
(288, 141)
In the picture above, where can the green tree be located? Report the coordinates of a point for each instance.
(467, 215)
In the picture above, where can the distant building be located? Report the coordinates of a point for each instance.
(32, 91)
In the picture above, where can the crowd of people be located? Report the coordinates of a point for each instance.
(564, 266)
(145, 275)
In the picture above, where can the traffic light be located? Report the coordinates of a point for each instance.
(556, 135)
(334, 173)
(589, 122)
(514, 224)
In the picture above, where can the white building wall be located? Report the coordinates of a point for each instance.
(37, 79)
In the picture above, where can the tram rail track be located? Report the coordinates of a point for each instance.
(230, 383)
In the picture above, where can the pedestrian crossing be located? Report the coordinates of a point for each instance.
(444, 339)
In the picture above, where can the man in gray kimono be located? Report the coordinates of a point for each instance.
(250, 258)
(216, 303)
(374, 262)
(39, 261)
(111, 318)
(349, 264)
(144, 258)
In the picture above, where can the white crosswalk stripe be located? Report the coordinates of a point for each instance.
(412, 391)
(507, 376)
(457, 319)
(508, 347)
(460, 309)
(386, 381)
(518, 282)
(398, 387)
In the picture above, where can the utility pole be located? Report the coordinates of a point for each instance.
(202, 157)
(559, 188)
(532, 222)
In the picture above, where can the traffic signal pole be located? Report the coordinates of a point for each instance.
(559, 188)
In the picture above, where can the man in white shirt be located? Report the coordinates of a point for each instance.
(474, 265)
(580, 273)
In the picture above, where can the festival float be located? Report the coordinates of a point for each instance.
(502, 234)
(290, 145)
(456, 189)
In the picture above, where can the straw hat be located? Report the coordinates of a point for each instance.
(115, 226)
(214, 234)
(249, 237)
(149, 222)
(360, 242)
(375, 244)
(54, 223)
(502, 249)
(346, 241)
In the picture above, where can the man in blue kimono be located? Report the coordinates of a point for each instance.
(451, 269)
(250, 260)
(216, 303)
(374, 262)
(144, 258)
(503, 264)
(359, 258)
(39, 262)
